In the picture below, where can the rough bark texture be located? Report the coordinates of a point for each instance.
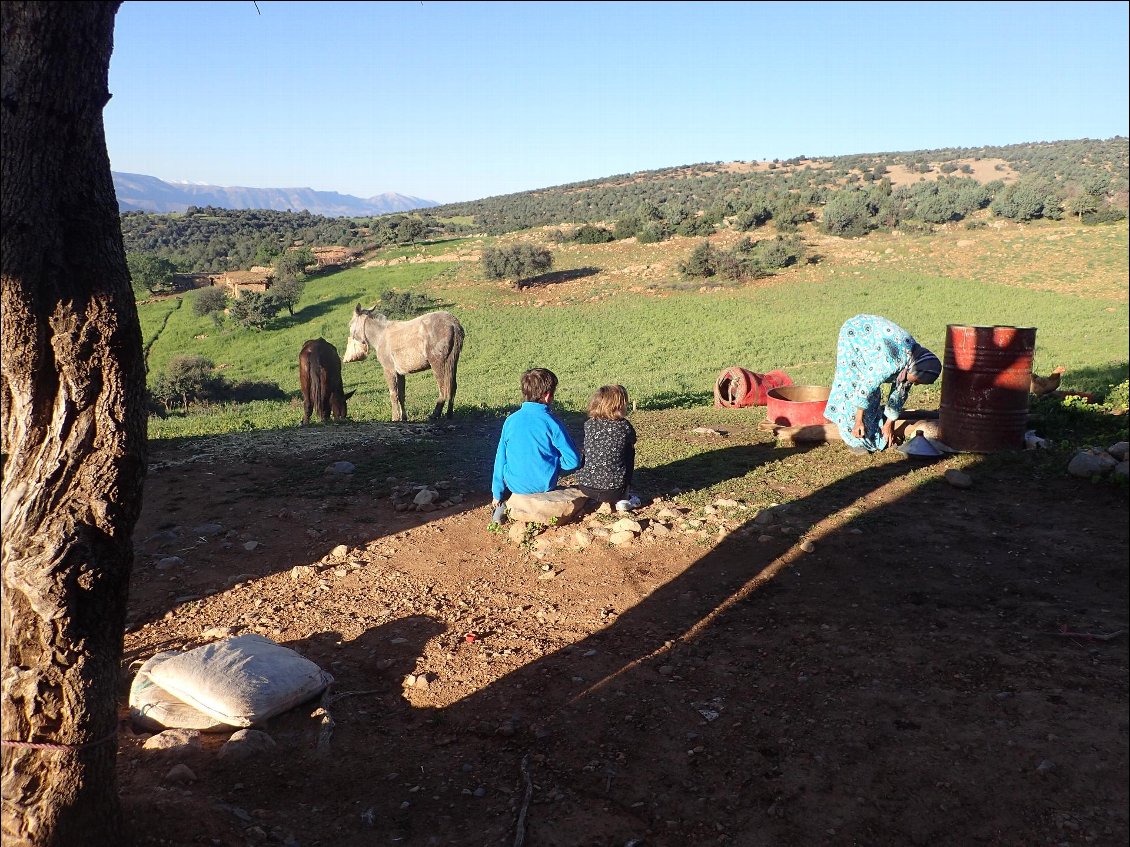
(73, 428)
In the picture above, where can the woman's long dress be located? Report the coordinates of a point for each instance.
(870, 351)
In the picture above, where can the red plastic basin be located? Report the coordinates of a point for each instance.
(797, 405)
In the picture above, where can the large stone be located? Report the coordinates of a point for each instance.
(1120, 450)
(557, 506)
(1089, 463)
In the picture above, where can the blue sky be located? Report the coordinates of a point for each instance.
(458, 101)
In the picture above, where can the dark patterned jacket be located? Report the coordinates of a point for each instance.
(610, 454)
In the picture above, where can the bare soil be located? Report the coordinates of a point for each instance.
(932, 672)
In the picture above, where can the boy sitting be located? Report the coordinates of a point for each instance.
(534, 449)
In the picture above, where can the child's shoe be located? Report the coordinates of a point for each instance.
(624, 505)
(635, 502)
(499, 514)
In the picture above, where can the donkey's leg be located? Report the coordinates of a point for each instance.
(445, 382)
(451, 367)
(437, 371)
(395, 393)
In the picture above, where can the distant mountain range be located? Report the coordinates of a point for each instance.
(137, 192)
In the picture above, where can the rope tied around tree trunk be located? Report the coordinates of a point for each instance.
(63, 748)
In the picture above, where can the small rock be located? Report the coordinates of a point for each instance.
(626, 525)
(517, 532)
(218, 632)
(604, 509)
(340, 468)
(1046, 766)
(245, 743)
(180, 773)
(169, 562)
(1119, 451)
(765, 538)
(622, 537)
(807, 546)
(175, 741)
(705, 430)
(250, 546)
(958, 479)
(340, 551)
(207, 529)
(425, 497)
(582, 538)
(301, 572)
(660, 530)
(726, 503)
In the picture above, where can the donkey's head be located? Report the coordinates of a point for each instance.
(357, 347)
(337, 404)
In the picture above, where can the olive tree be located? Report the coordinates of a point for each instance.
(72, 382)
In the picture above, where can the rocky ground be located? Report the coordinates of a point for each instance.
(882, 659)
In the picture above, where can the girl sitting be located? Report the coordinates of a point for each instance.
(609, 450)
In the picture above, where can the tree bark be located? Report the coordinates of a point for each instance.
(72, 384)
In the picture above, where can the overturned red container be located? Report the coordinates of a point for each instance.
(986, 375)
(737, 388)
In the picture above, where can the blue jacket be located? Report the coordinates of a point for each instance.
(533, 450)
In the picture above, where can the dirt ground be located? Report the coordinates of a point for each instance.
(928, 672)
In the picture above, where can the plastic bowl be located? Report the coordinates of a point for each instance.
(797, 405)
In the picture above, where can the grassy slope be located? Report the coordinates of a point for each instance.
(623, 318)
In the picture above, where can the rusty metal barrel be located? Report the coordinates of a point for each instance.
(986, 376)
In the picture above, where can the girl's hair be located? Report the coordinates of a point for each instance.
(610, 402)
(538, 382)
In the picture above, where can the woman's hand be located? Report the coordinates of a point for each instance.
(859, 430)
(888, 430)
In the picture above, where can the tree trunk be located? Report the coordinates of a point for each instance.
(72, 383)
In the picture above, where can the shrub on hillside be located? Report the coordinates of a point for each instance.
(707, 261)
(210, 301)
(653, 233)
(589, 234)
(626, 226)
(516, 261)
(848, 214)
(401, 305)
(1105, 215)
(779, 252)
(1026, 200)
(188, 379)
(696, 225)
(255, 309)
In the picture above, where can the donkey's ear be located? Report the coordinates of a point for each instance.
(350, 394)
(357, 309)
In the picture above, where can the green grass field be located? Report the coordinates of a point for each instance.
(666, 346)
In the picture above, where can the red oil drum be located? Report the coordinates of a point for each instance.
(986, 375)
(736, 387)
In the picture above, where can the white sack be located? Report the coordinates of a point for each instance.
(154, 709)
(242, 680)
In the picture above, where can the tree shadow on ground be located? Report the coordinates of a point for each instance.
(556, 277)
(309, 313)
(742, 696)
